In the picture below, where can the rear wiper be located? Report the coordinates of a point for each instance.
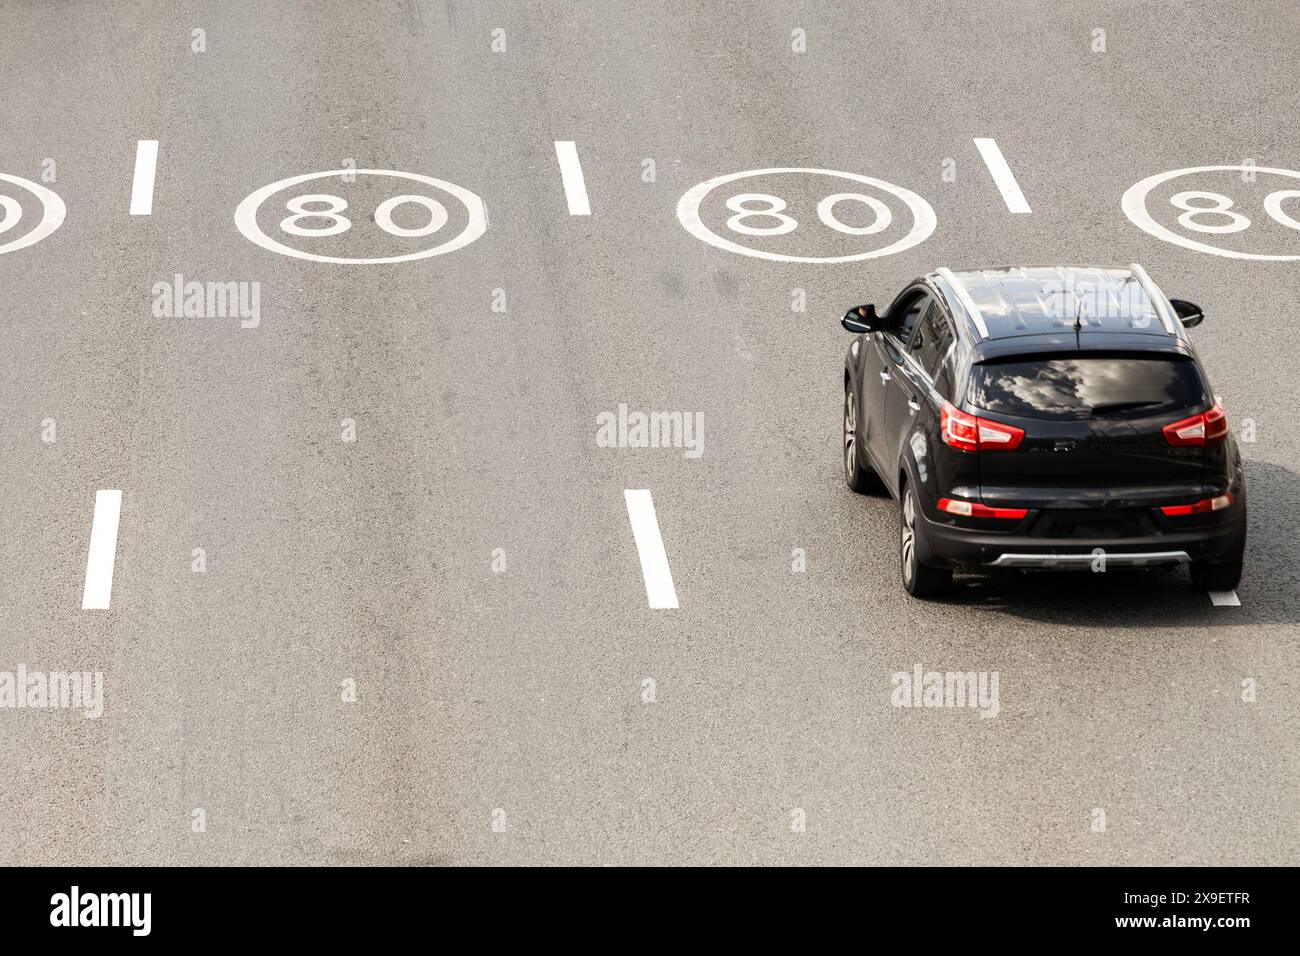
(1121, 406)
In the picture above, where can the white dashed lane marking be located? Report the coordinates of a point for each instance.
(575, 187)
(659, 588)
(146, 165)
(1225, 599)
(1002, 175)
(103, 551)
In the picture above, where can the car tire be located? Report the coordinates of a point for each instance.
(1216, 575)
(919, 580)
(860, 479)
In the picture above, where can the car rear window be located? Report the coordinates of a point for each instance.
(1087, 386)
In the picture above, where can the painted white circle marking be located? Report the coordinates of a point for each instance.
(13, 211)
(246, 217)
(437, 215)
(923, 219)
(826, 213)
(52, 213)
(1273, 206)
(1134, 204)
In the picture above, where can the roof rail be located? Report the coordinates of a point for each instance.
(964, 298)
(1157, 297)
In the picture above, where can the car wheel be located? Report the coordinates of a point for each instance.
(919, 580)
(1216, 575)
(858, 478)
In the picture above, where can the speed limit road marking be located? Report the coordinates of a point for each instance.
(761, 214)
(11, 213)
(306, 207)
(1206, 213)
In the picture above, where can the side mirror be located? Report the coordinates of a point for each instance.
(861, 319)
(1189, 313)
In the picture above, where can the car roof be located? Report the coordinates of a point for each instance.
(1033, 308)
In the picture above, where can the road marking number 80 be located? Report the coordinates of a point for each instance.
(764, 215)
(11, 212)
(319, 215)
(1222, 206)
(775, 209)
(339, 223)
(1210, 213)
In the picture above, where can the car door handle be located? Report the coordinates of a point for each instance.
(884, 376)
(913, 405)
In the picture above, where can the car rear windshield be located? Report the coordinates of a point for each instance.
(1087, 386)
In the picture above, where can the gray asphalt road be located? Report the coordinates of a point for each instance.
(501, 710)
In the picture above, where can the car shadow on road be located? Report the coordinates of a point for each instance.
(1269, 590)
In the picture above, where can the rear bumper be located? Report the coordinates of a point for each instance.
(944, 544)
(1070, 560)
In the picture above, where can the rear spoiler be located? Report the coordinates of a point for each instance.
(1064, 344)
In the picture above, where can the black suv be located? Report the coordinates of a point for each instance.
(1042, 418)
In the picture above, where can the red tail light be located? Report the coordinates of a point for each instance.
(1207, 428)
(1204, 506)
(973, 509)
(971, 433)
